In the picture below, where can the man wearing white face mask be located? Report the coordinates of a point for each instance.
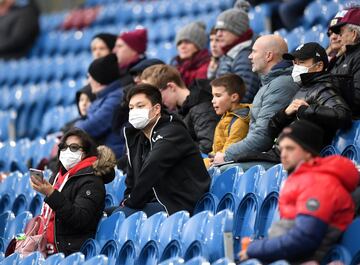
(165, 169)
(317, 100)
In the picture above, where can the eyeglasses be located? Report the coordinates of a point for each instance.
(73, 147)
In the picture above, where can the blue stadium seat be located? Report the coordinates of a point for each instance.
(347, 137)
(350, 237)
(197, 261)
(293, 38)
(54, 259)
(11, 260)
(223, 261)
(17, 226)
(212, 247)
(170, 230)
(224, 183)
(97, 260)
(128, 233)
(337, 253)
(76, 258)
(33, 258)
(270, 181)
(352, 152)
(312, 14)
(268, 214)
(251, 262)
(173, 261)
(108, 228)
(329, 150)
(193, 230)
(328, 11)
(280, 262)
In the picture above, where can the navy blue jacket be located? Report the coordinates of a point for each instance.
(99, 118)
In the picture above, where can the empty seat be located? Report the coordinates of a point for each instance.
(97, 260)
(33, 258)
(54, 259)
(11, 260)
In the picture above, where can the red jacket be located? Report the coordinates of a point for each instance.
(193, 68)
(321, 188)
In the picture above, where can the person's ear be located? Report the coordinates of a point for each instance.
(234, 97)
(269, 56)
(157, 109)
(172, 86)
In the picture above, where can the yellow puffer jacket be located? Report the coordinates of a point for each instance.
(233, 127)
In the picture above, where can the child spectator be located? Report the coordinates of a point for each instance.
(193, 58)
(216, 53)
(192, 103)
(137, 70)
(228, 91)
(102, 44)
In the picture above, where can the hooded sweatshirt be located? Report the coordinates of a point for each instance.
(315, 208)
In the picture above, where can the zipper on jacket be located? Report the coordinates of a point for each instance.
(55, 241)
(127, 147)
(157, 198)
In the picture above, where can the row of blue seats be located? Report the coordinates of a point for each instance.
(55, 118)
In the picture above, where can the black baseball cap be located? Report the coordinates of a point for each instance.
(307, 51)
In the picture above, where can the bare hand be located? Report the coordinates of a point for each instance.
(44, 187)
(294, 106)
(219, 158)
(243, 255)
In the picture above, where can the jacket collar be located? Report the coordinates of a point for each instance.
(352, 48)
(309, 78)
(109, 88)
(282, 68)
(234, 51)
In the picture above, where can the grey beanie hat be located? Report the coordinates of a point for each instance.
(194, 32)
(236, 19)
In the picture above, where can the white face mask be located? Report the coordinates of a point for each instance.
(139, 118)
(297, 71)
(69, 159)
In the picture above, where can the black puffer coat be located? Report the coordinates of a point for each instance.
(326, 108)
(199, 115)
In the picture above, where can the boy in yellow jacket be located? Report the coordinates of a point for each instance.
(228, 91)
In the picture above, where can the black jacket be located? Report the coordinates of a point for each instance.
(18, 30)
(169, 168)
(349, 64)
(199, 115)
(326, 108)
(78, 208)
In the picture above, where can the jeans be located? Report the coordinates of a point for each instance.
(150, 209)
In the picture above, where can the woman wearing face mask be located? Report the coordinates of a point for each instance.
(75, 195)
(165, 168)
(317, 100)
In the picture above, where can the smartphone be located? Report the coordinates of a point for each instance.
(222, 164)
(38, 174)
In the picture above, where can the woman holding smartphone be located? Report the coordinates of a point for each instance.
(75, 195)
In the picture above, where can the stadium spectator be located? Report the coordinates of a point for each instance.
(216, 53)
(137, 70)
(228, 91)
(278, 88)
(311, 219)
(78, 205)
(335, 40)
(84, 97)
(165, 169)
(193, 103)
(236, 39)
(102, 44)
(317, 99)
(193, 56)
(19, 27)
(348, 61)
(103, 79)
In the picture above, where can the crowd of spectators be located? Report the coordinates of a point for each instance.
(246, 100)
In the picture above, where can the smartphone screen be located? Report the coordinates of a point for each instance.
(38, 174)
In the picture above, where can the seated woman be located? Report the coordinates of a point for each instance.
(75, 196)
(193, 57)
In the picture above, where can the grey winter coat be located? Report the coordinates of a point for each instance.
(236, 61)
(277, 91)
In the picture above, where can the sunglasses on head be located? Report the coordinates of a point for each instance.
(72, 147)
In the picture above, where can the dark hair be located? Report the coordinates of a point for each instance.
(232, 83)
(151, 92)
(89, 147)
(212, 31)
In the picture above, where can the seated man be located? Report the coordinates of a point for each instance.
(103, 79)
(193, 103)
(315, 203)
(317, 99)
(165, 170)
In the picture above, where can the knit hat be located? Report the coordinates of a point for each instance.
(307, 134)
(136, 40)
(105, 70)
(142, 65)
(108, 38)
(194, 32)
(236, 19)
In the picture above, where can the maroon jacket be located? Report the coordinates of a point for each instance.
(194, 67)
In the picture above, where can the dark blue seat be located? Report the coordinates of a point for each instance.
(54, 259)
(76, 258)
(127, 234)
(173, 261)
(280, 262)
(268, 214)
(223, 261)
(170, 229)
(108, 228)
(97, 260)
(197, 261)
(270, 181)
(352, 152)
(329, 150)
(193, 230)
(11, 260)
(347, 137)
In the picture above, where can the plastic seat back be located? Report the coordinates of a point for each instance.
(268, 214)
(76, 258)
(13, 259)
(271, 181)
(54, 259)
(97, 260)
(224, 183)
(247, 182)
(33, 258)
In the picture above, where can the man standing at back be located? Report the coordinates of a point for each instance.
(278, 88)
